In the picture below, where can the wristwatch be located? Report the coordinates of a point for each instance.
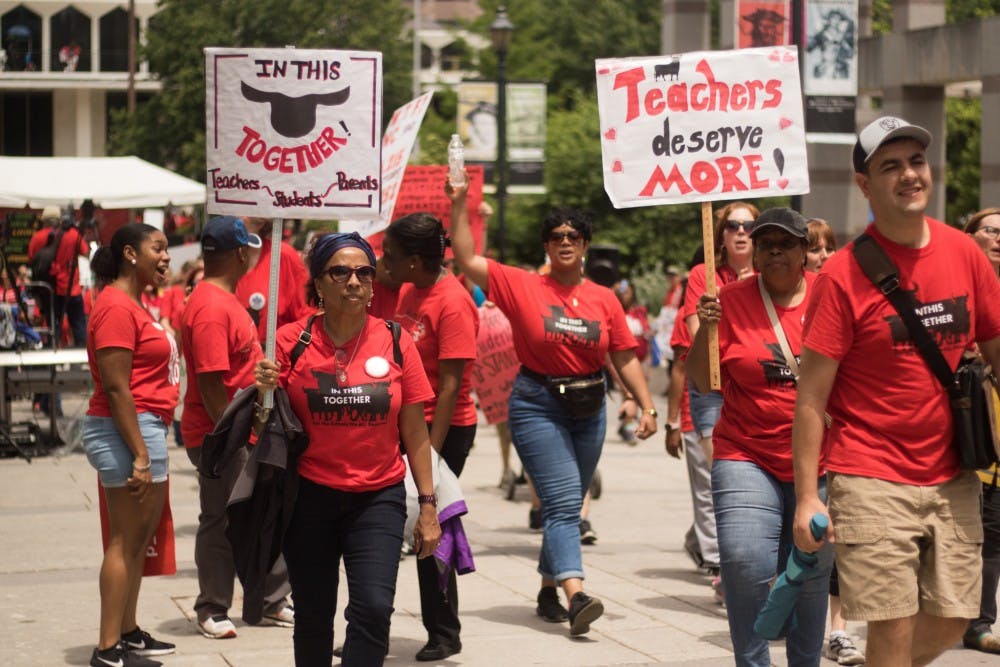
(650, 411)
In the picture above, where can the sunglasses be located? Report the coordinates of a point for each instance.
(786, 244)
(341, 273)
(559, 237)
(735, 225)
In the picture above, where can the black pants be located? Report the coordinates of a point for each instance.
(439, 608)
(366, 529)
(991, 563)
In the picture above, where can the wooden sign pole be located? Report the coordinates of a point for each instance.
(708, 239)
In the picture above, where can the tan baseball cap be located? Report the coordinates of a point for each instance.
(51, 213)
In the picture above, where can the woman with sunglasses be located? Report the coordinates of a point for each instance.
(356, 403)
(753, 492)
(565, 327)
(984, 228)
(438, 311)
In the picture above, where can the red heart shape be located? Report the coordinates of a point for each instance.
(617, 166)
(604, 70)
(788, 57)
(784, 123)
(782, 183)
(610, 134)
(775, 56)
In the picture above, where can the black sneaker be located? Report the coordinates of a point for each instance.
(535, 518)
(109, 657)
(140, 642)
(583, 610)
(549, 607)
(587, 533)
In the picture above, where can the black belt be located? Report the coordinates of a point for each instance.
(552, 380)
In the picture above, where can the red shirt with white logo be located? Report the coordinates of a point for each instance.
(217, 336)
(559, 330)
(119, 322)
(758, 388)
(891, 417)
(348, 400)
(444, 323)
(252, 289)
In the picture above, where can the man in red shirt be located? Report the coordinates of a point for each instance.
(904, 515)
(253, 287)
(46, 230)
(68, 297)
(221, 348)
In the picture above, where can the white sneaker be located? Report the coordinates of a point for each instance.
(217, 627)
(282, 619)
(842, 649)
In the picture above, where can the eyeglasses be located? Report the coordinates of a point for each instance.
(992, 232)
(786, 244)
(342, 274)
(734, 225)
(559, 237)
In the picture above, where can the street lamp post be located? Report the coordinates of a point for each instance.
(501, 31)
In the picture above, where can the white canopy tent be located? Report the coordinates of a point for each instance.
(111, 182)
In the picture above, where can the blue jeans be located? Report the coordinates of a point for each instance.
(560, 455)
(754, 512)
(705, 410)
(366, 529)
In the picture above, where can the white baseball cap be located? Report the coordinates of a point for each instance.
(882, 130)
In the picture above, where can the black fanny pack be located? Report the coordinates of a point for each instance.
(581, 396)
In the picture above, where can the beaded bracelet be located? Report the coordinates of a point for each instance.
(142, 468)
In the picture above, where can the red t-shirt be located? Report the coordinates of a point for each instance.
(891, 418)
(252, 289)
(172, 305)
(353, 427)
(118, 321)
(724, 274)
(681, 337)
(71, 246)
(559, 330)
(444, 323)
(39, 240)
(384, 300)
(217, 335)
(758, 389)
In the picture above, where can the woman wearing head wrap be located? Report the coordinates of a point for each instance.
(358, 394)
(565, 329)
(437, 310)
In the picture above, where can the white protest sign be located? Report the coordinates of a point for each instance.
(397, 144)
(293, 133)
(702, 126)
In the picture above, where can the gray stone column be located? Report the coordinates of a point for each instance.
(916, 14)
(833, 195)
(989, 143)
(685, 26)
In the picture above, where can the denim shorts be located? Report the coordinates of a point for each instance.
(111, 457)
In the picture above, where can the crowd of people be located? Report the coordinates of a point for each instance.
(825, 407)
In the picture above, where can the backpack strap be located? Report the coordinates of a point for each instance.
(300, 346)
(397, 353)
(882, 272)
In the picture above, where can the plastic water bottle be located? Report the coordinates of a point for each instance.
(456, 161)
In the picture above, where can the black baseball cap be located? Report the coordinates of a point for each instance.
(784, 219)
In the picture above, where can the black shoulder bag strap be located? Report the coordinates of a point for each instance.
(300, 346)
(397, 353)
(882, 272)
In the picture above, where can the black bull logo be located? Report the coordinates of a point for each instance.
(294, 117)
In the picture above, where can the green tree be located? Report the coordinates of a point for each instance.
(169, 128)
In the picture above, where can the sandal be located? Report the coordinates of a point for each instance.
(986, 642)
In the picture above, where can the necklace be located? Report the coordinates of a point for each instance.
(340, 354)
(572, 295)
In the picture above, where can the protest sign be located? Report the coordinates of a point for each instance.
(397, 143)
(422, 191)
(702, 126)
(496, 364)
(293, 132)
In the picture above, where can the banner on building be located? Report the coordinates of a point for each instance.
(830, 67)
(477, 126)
(294, 133)
(702, 126)
(763, 23)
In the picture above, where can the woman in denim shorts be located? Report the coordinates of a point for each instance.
(134, 363)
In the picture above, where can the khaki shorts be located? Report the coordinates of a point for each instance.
(902, 548)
